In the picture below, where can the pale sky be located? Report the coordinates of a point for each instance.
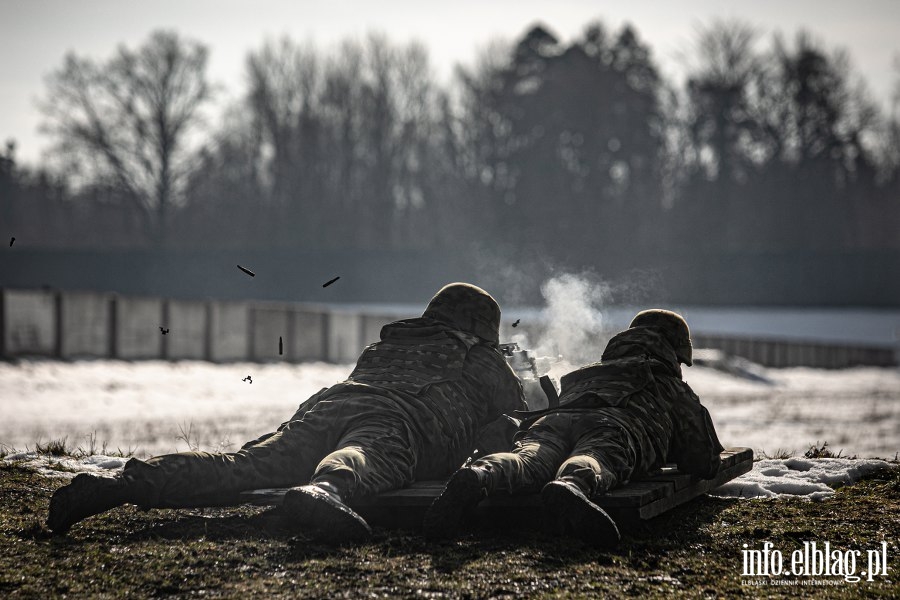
(36, 34)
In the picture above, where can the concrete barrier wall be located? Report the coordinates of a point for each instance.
(344, 344)
(186, 322)
(308, 339)
(85, 327)
(30, 323)
(137, 328)
(784, 353)
(229, 331)
(269, 322)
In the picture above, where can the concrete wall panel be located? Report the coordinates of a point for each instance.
(270, 323)
(85, 325)
(187, 330)
(308, 337)
(344, 344)
(229, 331)
(138, 321)
(30, 323)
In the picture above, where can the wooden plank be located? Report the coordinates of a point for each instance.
(636, 493)
(652, 509)
(733, 456)
(676, 480)
(642, 499)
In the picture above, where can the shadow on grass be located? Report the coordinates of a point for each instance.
(212, 524)
(644, 544)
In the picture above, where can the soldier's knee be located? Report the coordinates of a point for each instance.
(583, 471)
(578, 464)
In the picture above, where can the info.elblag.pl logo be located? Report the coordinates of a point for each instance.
(816, 560)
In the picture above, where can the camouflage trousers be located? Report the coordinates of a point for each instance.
(580, 447)
(360, 448)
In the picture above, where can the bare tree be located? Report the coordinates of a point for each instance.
(719, 90)
(128, 121)
(348, 139)
(283, 102)
(827, 114)
(228, 203)
(399, 111)
(892, 153)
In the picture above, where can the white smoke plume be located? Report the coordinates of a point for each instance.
(574, 322)
(571, 331)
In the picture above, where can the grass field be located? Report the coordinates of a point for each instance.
(692, 551)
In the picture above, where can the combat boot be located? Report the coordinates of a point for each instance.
(318, 510)
(88, 494)
(574, 514)
(464, 490)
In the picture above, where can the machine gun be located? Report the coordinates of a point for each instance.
(540, 391)
(520, 360)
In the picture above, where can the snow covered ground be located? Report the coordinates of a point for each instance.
(156, 407)
(151, 407)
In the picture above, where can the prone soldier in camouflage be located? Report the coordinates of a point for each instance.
(620, 418)
(411, 409)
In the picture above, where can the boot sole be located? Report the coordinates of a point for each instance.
(571, 510)
(324, 518)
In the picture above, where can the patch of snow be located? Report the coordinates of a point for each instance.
(65, 467)
(810, 478)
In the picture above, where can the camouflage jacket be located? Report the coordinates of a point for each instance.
(638, 386)
(446, 385)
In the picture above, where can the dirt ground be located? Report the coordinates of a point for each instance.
(693, 551)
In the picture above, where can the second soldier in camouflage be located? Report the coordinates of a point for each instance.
(625, 416)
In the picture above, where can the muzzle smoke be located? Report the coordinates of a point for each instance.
(572, 323)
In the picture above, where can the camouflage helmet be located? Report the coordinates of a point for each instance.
(673, 327)
(467, 308)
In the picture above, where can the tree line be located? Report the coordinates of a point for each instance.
(573, 149)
